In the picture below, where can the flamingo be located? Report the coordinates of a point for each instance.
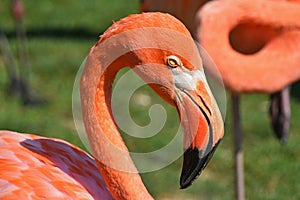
(255, 45)
(37, 167)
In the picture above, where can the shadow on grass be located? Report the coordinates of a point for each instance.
(58, 33)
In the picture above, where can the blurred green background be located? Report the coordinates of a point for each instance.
(60, 34)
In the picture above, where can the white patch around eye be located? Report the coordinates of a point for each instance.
(184, 81)
(199, 75)
(187, 80)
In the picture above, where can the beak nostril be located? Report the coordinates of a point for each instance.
(205, 105)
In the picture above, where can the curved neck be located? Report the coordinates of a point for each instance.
(104, 61)
(108, 148)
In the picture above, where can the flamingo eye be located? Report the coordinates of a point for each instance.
(173, 61)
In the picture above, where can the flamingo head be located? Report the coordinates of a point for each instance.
(162, 52)
(169, 61)
(184, 85)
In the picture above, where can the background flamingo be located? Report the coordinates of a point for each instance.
(26, 159)
(18, 76)
(255, 44)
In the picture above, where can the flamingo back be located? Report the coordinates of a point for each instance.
(38, 167)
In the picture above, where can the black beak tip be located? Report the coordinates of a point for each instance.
(193, 163)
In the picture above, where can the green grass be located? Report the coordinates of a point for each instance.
(61, 33)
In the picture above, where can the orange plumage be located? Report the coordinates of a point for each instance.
(38, 167)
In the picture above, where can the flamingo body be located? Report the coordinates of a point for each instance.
(255, 44)
(37, 167)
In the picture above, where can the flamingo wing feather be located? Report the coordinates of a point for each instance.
(33, 166)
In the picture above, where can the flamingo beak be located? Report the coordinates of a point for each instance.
(193, 164)
(196, 109)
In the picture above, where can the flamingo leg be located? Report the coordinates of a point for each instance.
(280, 113)
(9, 64)
(27, 94)
(238, 150)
